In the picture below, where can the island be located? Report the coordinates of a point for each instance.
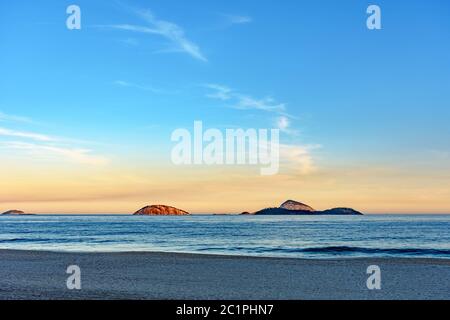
(160, 210)
(292, 207)
(16, 213)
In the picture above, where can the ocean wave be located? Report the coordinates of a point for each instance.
(337, 250)
(13, 240)
(55, 241)
(394, 251)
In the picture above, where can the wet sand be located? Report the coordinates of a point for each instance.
(139, 275)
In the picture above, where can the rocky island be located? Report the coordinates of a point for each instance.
(292, 207)
(160, 210)
(15, 213)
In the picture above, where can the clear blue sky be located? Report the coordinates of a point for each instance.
(363, 96)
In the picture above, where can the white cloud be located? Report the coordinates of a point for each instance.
(283, 123)
(13, 118)
(130, 42)
(50, 146)
(298, 159)
(169, 30)
(25, 134)
(127, 84)
(265, 104)
(82, 156)
(238, 19)
(242, 101)
(294, 159)
(220, 92)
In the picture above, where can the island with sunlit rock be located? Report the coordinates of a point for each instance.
(160, 210)
(289, 207)
(292, 207)
(16, 213)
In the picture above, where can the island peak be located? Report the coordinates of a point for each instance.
(295, 205)
(160, 210)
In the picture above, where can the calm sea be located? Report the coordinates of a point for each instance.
(277, 236)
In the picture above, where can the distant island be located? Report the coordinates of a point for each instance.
(160, 210)
(289, 207)
(292, 207)
(16, 213)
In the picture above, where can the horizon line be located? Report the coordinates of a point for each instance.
(213, 213)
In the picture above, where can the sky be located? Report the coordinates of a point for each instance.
(86, 116)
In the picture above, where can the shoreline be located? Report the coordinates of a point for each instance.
(222, 255)
(26, 274)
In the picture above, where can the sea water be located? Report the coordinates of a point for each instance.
(275, 236)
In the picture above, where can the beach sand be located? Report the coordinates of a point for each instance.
(42, 275)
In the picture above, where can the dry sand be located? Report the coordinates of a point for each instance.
(42, 275)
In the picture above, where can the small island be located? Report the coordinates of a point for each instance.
(160, 210)
(16, 213)
(292, 207)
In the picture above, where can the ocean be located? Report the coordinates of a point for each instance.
(424, 236)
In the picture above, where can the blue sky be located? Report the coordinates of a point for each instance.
(353, 96)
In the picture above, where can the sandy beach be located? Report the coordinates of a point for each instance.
(42, 275)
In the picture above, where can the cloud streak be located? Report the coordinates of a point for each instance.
(166, 29)
(238, 19)
(127, 84)
(45, 145)
(82, 156)
(243, 101)
(25, 134)
(14, 118)
(298, 159)
(283, 123)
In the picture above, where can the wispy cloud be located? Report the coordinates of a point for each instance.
(46, 145)
(283, 123)
(298, 159)
(127, 84)
(25, 134)
(219, 92)
(281, 118)
(131, 42)
(265, 104)
(238, 19)
(169, 30)
(83, 156)
(14, 118)
(243, 101)
(295, 159)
